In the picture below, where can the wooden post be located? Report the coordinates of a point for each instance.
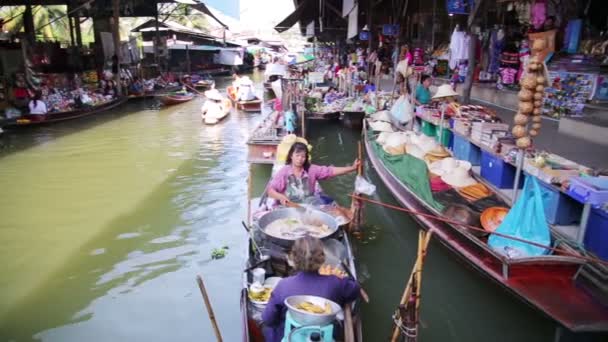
(216, 328)
(116, 36)
(71, 25)
(423, 241)
(156, 41)
(78, 31)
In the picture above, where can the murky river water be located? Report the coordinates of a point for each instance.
(106, 221)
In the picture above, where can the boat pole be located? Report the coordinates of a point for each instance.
(356, 204)
(216, 329)
(520, 165)
(423, 241)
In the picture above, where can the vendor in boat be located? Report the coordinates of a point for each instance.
(245, 91)
(307, 256)
(36, 105)
(213, 107)
(423, 94)
(297, 180)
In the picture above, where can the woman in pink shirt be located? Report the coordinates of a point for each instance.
(297, 179)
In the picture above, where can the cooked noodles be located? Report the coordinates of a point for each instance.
(294, 228)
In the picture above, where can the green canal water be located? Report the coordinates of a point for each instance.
(106, 221)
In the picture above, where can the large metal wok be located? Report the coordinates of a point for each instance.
(306, 215)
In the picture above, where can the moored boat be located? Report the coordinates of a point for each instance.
(246, 106)
(173, 98)
(204, 84)
(34, 120)
(550, 283)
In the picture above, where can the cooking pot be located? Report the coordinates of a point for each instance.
(305, 215)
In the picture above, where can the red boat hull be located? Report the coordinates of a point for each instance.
(546, 283)
(176, 99)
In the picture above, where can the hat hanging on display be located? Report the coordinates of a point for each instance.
(458, 178)
(492, 217)
(444, 90)
(213, 94)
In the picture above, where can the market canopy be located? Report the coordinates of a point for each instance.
(294, 17)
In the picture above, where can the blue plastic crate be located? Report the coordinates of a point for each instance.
(559, 208)
(464, 150)
(497, 172)
(596, 235)
(591, 190)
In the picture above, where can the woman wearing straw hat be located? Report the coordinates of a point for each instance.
(214, 108)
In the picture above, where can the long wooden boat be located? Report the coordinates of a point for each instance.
(204, 84)
(549, 283)
(173, 99)
(154, 93)
(276, 265)
(331, 116)
(264, 140)
(214, 121)
(35, 120)
(246, 106)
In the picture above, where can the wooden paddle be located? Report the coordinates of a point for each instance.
(216, 328)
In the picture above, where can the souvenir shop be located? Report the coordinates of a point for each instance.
(576, 43)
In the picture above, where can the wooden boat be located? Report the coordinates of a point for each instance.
(246, 106)
(215, 120)
(33, 120)
(154, 93)
(550, 283)
(173, 99)
(331, 116)
(264, 140)
(204, 84)
(275, 263)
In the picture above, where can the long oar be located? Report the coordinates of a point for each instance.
(216, 329)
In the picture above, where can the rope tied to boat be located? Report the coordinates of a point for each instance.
(464, 225)
(406, 331)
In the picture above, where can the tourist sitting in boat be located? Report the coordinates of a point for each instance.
(213, 109)
(36, 105)
(307, 256)
(296, 181)
(245, 91)
(423, 94)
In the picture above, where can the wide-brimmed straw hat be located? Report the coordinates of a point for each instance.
(444, 90)
(492, 217)
(414, 150)
(425, 143)
(213, 94)
(447, 165)
(458, 177)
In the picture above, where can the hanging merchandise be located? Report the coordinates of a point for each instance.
(538, 14)
(573, 35)
(459, 47)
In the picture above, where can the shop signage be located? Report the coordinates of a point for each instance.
(459, 6)
(390, 30)
(364, 35)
